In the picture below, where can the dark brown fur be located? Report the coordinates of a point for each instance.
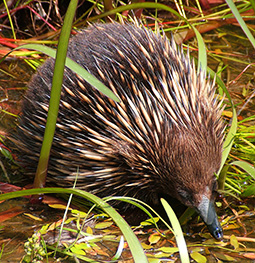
(164, 137)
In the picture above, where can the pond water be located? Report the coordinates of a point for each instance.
(23, 220)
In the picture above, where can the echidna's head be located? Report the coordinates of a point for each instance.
(183, 164)
(190, 171)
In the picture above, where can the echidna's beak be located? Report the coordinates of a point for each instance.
(206, 209)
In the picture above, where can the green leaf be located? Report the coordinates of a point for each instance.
(249, 191)
(224, 257)
(198, 257)
(78, 251)
(234, 241)
(155, 260)
(150, 221)
(103, 225)
(154, 238)
(6, 153)
(169, 249)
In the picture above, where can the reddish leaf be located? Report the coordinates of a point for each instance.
(5, 215)
(7, 188)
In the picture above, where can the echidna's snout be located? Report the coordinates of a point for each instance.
(206, 210)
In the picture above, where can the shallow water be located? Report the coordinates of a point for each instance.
(14, 232)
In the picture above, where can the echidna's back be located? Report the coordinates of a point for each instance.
(165, 136)
(129, 60)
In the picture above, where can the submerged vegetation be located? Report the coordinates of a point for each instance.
(220, 37)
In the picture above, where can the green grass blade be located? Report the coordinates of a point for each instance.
(241, 21)
(2, 250)
(202, 54)
(119, 250)
(10, 19)
(135, 202)
(181, 243)
(229, 140)
(41, 172)
(141, 205)
(139, 5)
(246, 167)
(76, 68)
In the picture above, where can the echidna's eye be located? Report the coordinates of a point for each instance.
(186, 197)
(215, 186)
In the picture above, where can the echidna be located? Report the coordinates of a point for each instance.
(164, 137)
